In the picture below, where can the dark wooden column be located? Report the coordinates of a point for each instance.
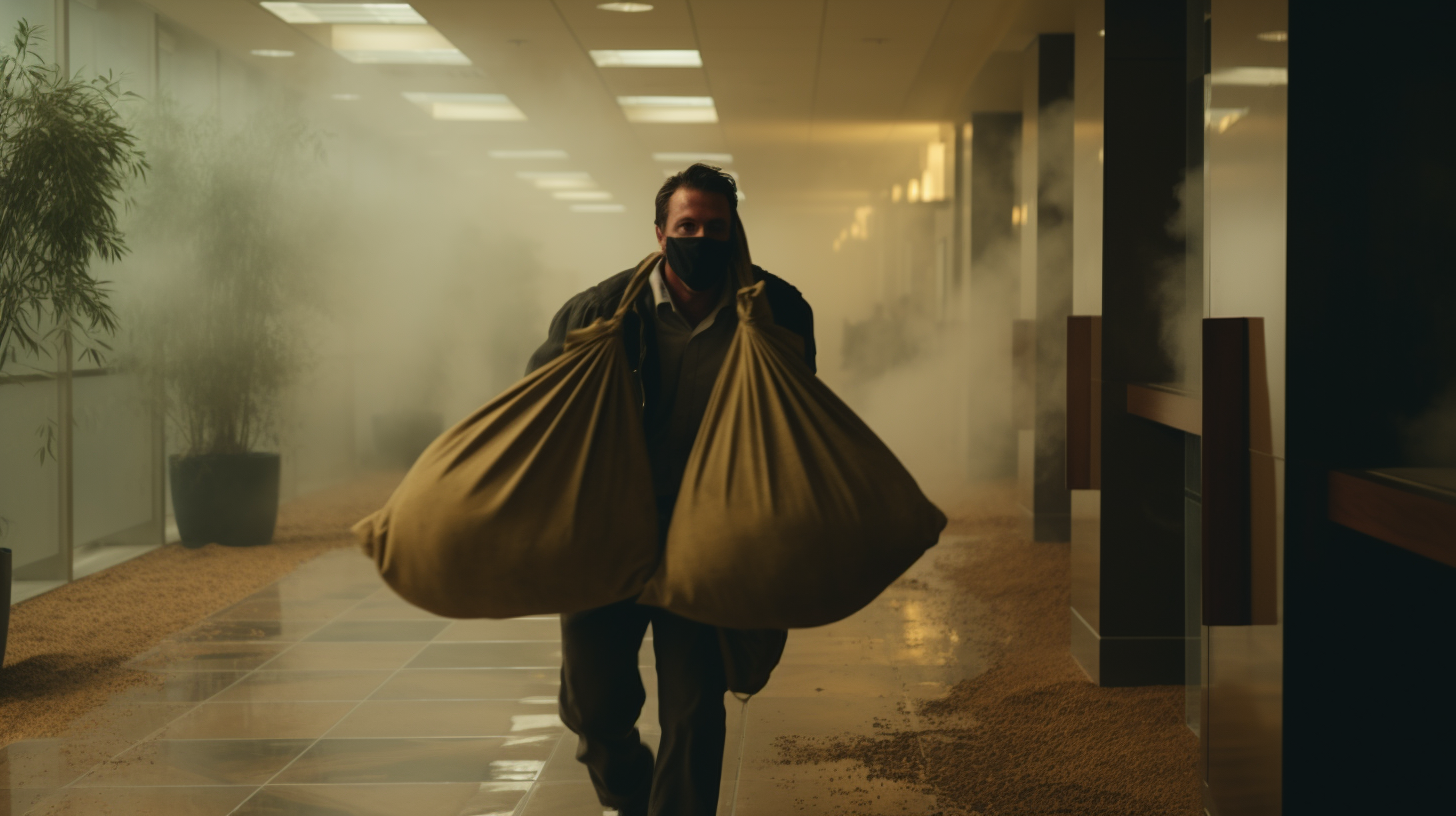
(994, 257)
(1370, 626)
(1139, 635)
(1046, 236)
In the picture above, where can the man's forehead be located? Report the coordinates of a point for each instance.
(698, 204)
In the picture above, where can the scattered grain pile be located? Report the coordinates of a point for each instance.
(1032, 735)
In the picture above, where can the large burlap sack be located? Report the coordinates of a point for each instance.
(540, 502)
(792, 512)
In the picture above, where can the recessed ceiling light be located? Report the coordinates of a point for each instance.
(680, 109)
(270, 52)
(346, 97)
(533, 175)
(627, 7)
(643, 58)
(582, 195)
(468, 107)
(1274, 36)
(395, 45)
(714, 158)
(1255, 76)
(597, 208)
(528, 154)
(360, 13)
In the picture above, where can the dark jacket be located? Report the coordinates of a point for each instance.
(790, 311)
(748, 655)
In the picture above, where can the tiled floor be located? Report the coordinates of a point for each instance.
(327, 694)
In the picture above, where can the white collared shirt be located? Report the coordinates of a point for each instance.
(661, 296)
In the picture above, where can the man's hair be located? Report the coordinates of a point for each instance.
(702, 177)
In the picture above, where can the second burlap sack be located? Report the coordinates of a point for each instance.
(792, 512)
(540, 502)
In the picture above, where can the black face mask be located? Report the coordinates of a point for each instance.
(701, 263)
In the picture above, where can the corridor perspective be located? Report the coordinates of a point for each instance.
(1073, 380)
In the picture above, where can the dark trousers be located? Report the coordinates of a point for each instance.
(602, 696)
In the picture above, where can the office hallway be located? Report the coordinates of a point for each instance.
(323, 693)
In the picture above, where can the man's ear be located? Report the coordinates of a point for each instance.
(659, 233)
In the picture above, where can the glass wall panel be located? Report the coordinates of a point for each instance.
(36, 12)
(29, 486)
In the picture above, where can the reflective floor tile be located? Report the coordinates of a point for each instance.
(513, 629)
(809, 795)
(385, 800)
(386, 612)
(489, 655)
(174, 657)
(191, 801)
(564, 767)
(811, 680)
(356, 761)
(243, 631)
(450, 718)
(564, 799)
(320, 587)
(286, 686)
(471, 684)
(270, 607)
(341, 656)
(379, 631)
(179, 687)
(197, 762)
(825, 651)
(258, 720)
(48, 763)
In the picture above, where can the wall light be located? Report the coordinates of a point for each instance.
(676, 109)
(647, 59)
(1221, 119)
(1273, 36)
(896, 193)
(270, 52)
(912, 191)
(1251, 76)
(689, 158)
(359, 13)
(597, 208)
(625, 7)
(528, 154)
(467, 107)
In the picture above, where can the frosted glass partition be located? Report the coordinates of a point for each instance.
(115, 495)
(29, 487)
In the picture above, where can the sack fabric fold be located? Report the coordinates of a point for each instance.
(792, 512)
(539, 502)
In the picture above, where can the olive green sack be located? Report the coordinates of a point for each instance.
(540, 502)
(792, 512)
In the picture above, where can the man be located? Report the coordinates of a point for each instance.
(678, 333)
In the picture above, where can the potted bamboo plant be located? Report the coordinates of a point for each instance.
(227, 259)
(65, 157)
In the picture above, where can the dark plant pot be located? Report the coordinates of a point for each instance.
(6, 574)
(400, 437)
(225, 498)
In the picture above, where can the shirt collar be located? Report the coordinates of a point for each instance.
(661, 297)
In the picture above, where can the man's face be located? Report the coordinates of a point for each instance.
(696, 214)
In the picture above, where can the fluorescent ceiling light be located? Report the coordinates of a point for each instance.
(582, 195)
(563, 180)
(365, 13)
(647, 59)
(597, 208)
(270, 52)
(468, 107)
(395, 45)
(626, 7)
(346, 97)
(1251, 76)
(679, 109)
(528, 154)
(712, 158)
(534, 175)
